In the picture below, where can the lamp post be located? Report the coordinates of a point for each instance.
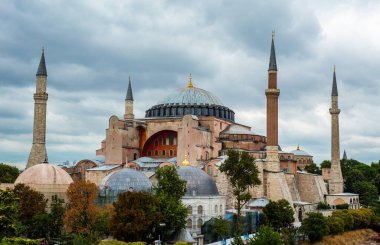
(162, 225)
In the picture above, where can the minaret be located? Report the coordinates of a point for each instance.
(129, 103)
(38, 153)
(336, 179)
(272, 94)
(344, 155)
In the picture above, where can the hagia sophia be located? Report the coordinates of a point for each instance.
(192, 129)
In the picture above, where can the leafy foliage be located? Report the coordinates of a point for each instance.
(221, 227)
(326, 164)
(367, 192)
(56, 215)
(279, 214)
(81, 213)
(313, 169)
(266, 236)
(8, 214)
(31, 210)
(169, 191)
(323, 205)
(20, 241)
(8, 173)
(242, 173)
(315, 227)
(136, 214)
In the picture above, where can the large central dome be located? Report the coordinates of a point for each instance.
(191, 96)
(190, 100)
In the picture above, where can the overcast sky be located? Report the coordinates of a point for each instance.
(91, 47)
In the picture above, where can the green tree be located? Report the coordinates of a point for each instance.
(221, 228)
(336, 225)
(8, 173)
(367, 192)
(242, 174)
(266, 236)
(313, 169)
(353, 176)
(326, 164)
(315, 227)
(346, 217)
(81, 212)
(136, 216)
(56, 215)
(8, 214)
(169, 190)
(32, 209)
(279, 214)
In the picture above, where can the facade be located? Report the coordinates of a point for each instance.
(38, 152)
(78, 172)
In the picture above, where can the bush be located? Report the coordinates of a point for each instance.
(114, 242)
(342, 206)
(346, 217)
(323, 205)
(336, 225)
(20, 241)
(266, 236)
(182, 243)
(315, 227)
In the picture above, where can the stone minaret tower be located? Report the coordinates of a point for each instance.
(129, 103)
(272, 94)
(38, 153)
(336, 179)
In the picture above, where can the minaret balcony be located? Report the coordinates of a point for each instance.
(334, 111)
(272, 91)
(41, 96)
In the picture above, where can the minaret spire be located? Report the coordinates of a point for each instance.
(129, 91)
(38, 152)
(336, 179)
(128, 114)
(272, 60)
(272, 93)
(41, 71)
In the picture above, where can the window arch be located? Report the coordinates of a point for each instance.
(200, 209)
(189, 223)
(189, 210)
(199, 223)
(216, 209)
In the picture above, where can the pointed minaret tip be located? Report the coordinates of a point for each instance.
(190, 83)
(272, 60)
(129, 91)
(298, 147)
(41, 71)
(334, 91)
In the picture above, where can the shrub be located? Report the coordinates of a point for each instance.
(323, 205)
(266, 236)
(346, 217)
(315, 227)
(114, 242)
(182, 243)
(342, 206)
(20, 241)
(336, 225)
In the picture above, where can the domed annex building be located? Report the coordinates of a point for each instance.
(46, 178)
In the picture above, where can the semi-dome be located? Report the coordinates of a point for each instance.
(199, 183)
(190, 100)
(124, 180)
(44, 174)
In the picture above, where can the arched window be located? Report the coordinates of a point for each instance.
(189, 210)
(156, 153)
(149, 153)
(156, 142)
(189, 223)
(221, 209)
(216, 209)
(200, 209)
(135, 156)
(163, 153)
(199, 223)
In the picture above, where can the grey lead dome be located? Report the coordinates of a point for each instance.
(191, 96)
(199, 183)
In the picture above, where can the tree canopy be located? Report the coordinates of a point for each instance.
(8, 214)
(279, 214)
(8, 173)
(242, 173)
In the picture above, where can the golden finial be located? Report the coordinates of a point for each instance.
(272, 34)
(185, 162)
(298, 147)
(190, 84)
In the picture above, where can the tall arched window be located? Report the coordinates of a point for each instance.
(189, 223)
(199, 223)
(189, 210)
(216, 209)
(200, 209)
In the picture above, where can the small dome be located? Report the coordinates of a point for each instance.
(299, 152)
(44, 174)
(123, 180)
(191, 96)
(199, 183)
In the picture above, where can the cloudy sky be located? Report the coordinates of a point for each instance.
(91, 47)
